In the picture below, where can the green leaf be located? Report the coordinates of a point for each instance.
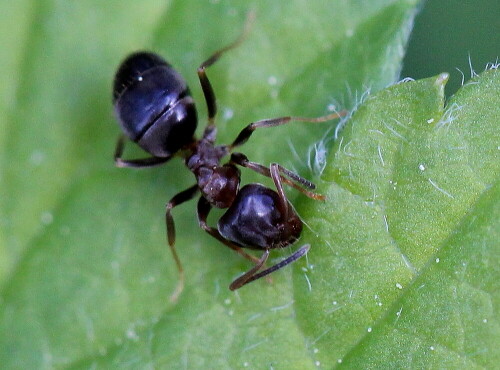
(85, 273)
(405, 269)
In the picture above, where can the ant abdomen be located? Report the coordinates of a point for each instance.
(257, 219)
(153, 104)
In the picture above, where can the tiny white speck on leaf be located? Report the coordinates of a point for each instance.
(399, 286)
(228, 114)
(437, 260)
(399, 312)
(430, 120)
(421, 167)
(131, 334)
(47, 218)
(37, 158)
(272, 80)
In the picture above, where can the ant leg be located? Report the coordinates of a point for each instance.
(245, 134)
(136, 163)
(179, 198)
(247, 276)
(281, 192)
(205, 83)
(300, 183)
(204, 208)
(238, 283)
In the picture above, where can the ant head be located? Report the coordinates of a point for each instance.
(257, 219)
(219, 185)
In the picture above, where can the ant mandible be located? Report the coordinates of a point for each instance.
(155, 109)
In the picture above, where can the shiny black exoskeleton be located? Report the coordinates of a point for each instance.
(153, 104)
(154, 107)
(257, 209)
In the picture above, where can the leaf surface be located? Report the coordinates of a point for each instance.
(405, 271)
(85, 274)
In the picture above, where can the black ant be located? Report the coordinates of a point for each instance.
(155, 109)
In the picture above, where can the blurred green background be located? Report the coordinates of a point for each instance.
(446, 32)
